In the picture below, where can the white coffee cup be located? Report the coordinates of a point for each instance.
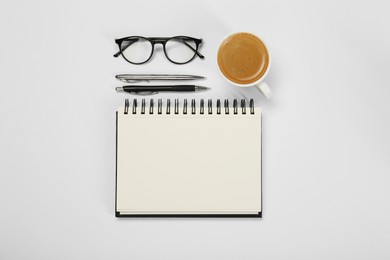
(260, 83)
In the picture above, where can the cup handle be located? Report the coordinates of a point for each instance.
(265, 89)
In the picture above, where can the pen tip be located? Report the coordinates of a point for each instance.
(201, 88)
(119, 88)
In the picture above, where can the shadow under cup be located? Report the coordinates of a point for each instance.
(243, 58)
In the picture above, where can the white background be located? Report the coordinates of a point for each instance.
(326, 129)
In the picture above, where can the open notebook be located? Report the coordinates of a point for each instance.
(188, 160)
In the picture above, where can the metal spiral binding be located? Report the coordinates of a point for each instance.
(159, 106)
(226, 103)
(126, 106)
(243, 105)
(252, 106)
(235, 109)
(185, 107)
(168, 106)
(176, 106)
(210, 106)
(151, 106)
(143, 106)
(193, 107)
(218, 106)
(135, 106)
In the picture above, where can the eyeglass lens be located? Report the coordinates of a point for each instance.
(180, 50)
(136, 50)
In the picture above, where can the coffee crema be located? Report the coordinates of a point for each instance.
(243, 58)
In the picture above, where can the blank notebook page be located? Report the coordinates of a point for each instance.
(188, 164)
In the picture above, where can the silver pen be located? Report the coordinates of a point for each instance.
(134, 78)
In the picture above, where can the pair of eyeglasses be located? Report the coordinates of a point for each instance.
(139, 50)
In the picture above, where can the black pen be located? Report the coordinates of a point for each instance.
(152, 89)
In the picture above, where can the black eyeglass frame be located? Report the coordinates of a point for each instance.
(159, 40)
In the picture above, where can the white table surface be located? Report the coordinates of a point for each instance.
(326, 129)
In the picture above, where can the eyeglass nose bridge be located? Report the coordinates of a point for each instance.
(161, 41)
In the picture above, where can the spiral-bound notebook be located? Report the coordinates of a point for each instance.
(184, 158)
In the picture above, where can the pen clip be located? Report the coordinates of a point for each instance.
(130, 78)
(134, 80)
(144, 93)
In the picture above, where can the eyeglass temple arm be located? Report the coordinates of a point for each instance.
(125, 47)
(197, 53)
(117, 54)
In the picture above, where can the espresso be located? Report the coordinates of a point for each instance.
(243, 58)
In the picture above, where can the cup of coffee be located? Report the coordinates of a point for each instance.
(244, 61)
